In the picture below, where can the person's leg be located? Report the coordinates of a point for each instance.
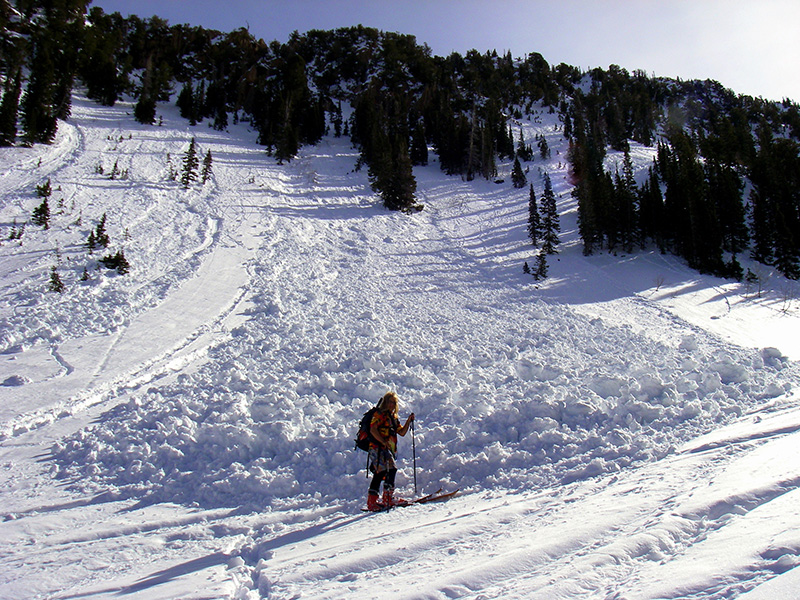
(388, 488)
(374, 488)
(375, 484)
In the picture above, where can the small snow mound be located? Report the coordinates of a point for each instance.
(15, 381)
(773, 357)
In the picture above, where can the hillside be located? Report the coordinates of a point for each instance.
(619, 429)
(723, 183)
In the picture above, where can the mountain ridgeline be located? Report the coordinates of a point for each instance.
(725, 181)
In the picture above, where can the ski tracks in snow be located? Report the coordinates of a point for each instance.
(166, 336)
(644, 533)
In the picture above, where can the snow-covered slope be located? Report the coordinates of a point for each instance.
(623, 429)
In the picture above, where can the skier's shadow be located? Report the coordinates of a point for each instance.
(221, 558)
(159, 577)
(300, 535)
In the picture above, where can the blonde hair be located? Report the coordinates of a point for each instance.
(386, 398)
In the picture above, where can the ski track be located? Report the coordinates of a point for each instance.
(289, 290)
(538, 545)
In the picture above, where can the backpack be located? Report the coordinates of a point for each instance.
(364, 437)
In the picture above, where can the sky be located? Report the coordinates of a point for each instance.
(750, 46)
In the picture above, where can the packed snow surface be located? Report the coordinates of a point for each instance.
(625, 429)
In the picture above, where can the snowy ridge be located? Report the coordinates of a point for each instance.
(203, 406)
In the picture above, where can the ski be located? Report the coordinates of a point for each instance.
(419, 500)
(436, 496)
(423, 499)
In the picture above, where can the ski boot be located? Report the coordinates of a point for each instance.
(390, 500)
(373, 504)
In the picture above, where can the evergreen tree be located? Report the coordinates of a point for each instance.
(190, 164)
(541, 269)
(518, 178)
(586, 154)
(725, 195)
(199, 103)
(395, 181)
(9, 109)
(775, 202)
(39, 114)
(116, 261)
(44, 190)
(55, 285)
(544, 148)
(216, 105)
(185, 103)
(381, 131)
(651, 211)
(99, 61)
(550, 221)
(691, 221)
(337, 122)
(123, 266)
(288, 142)
(419, 147)
(534, 220)
(145, 110)
(625, 205)
(16, 234)
(205, 175)
(100, 236)
(524, 152)
(41, 214)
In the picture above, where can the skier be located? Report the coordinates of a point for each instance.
(385, 427)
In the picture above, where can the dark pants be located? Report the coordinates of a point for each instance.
(388, 481)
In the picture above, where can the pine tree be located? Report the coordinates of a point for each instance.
(550, 224)
(44, 190)
(9, 109)
(627, 199)
(651, 210)
(205, 175)
(145, 110)
(123, 266)
(100, 236)
(419, 147)
(39, 114)
(116, 261)
(540, 272)
(518, 178)
(185, 102)
(381, 131)
(41, 214)
(190, 164)
(55, 285)
(287, 143)
(16, 234)
(534, 221)
(544, 149)
(524, 152)
(216, 105)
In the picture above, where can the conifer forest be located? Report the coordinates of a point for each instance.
(726, 180)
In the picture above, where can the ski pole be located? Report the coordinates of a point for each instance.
(414, 454)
